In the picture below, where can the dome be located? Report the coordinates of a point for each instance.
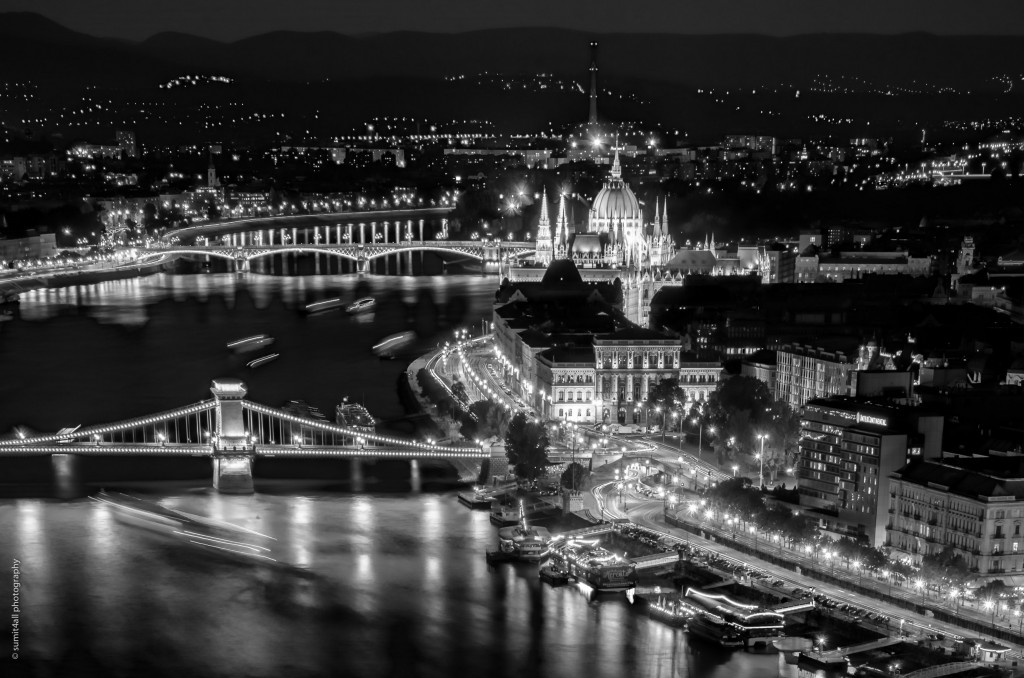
(616, 200)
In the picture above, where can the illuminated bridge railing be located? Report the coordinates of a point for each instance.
(271, 427)
(107, 449)
(375, 451)
(175, 426)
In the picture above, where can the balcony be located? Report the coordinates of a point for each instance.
(917, 516)
(996, 570)
(933, 521)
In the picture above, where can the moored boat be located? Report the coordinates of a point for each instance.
(354, 415)
(523, 541)
(598, 568)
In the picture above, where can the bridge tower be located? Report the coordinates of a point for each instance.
(233, 450)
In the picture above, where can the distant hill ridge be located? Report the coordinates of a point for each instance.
(696, 60)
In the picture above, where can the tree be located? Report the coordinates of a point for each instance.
(945, 567)
(526, 446)
(573, 475)
(459, 391)
(739, 408)
(491, 420)
(992, 590)
(668, 395)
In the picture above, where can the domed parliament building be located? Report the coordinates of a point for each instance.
(619, 242)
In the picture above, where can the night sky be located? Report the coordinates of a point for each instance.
(234, 19)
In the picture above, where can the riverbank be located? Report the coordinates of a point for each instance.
(72, 278)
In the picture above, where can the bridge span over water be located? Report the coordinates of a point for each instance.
(489, 252)
(233, 432)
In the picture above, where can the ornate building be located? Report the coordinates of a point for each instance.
(619, 242)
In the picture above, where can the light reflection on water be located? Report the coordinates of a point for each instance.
(402, 587)
(393, 572)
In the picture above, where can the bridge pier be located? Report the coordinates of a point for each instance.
(65, 478)
(358, 481)
(242, 265)
(232, 473)
(415, 482)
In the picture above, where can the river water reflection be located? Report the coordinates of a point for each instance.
(400, 585)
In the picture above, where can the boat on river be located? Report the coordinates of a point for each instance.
(324, 305)
(387, 347)
(364, 305)
(592, 565)
(733, 623)
(262, 360)
(249, 344)
(523, 541)
(198, 533)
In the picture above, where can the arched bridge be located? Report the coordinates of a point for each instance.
(233, 431)
(361, 253)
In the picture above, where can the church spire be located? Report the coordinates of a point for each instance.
(712, 242)
(657, 219)
(544, 225)
(616, 167)
(561, 226)
(664, 219)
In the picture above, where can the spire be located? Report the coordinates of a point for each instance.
(712, 242)
(593, 83)
(664, 219)
(544, 225)
(657, 218)
(706, 246)
(616, 167)
(561, 226)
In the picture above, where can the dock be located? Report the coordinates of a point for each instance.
(475, 501)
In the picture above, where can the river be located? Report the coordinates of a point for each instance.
(401, 587)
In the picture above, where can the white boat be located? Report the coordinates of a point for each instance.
(246, 344)
(324, 305)
(387, 347)
(361, 305)
(263, 360)
(523, 541)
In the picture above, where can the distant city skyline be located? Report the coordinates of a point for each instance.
(237, 19)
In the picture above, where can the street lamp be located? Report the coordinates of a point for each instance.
(734, 469)
(990, 605)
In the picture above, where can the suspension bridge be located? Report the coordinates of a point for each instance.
(233, 431)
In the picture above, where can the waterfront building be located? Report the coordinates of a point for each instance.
(32, 247)
(573, 355)
(849, 447)
(975, 506)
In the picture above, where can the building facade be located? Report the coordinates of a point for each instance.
(805, 372)
(975, 506)
(848, 450)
